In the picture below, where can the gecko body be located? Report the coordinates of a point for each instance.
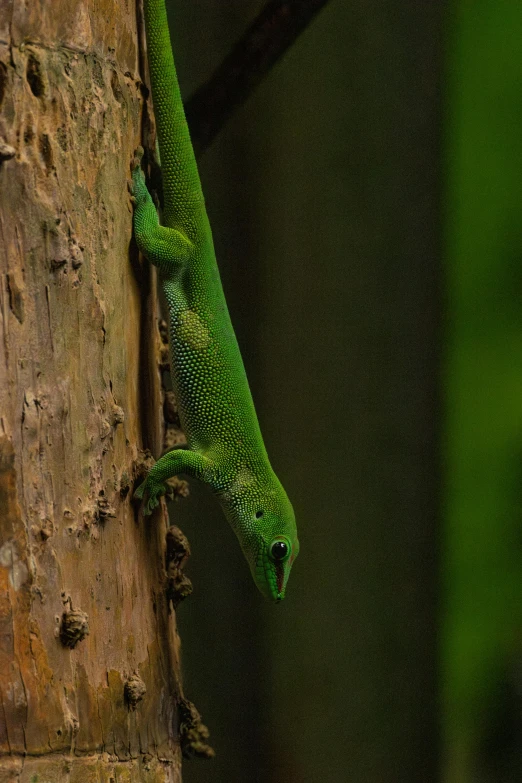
(225, 447)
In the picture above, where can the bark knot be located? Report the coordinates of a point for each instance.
(74, 627)
(134, 690)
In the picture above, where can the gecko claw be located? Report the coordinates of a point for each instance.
(138, 155)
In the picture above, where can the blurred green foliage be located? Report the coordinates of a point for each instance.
(482, 612)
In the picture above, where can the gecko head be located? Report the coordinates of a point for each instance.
(264, 522)
(271, 563)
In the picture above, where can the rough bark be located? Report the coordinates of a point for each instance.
(76, 371)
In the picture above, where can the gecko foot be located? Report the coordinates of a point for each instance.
(150, 491)
(138, 155)
(138, 188)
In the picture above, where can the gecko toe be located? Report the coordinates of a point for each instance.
(138, 155)
(139, 491)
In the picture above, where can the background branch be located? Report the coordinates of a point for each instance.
(266, 40)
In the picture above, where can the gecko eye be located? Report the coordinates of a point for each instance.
(279, 550)
(259, 514)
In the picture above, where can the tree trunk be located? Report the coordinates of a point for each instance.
(80, 397)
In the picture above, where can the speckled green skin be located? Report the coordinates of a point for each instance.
(225, 446)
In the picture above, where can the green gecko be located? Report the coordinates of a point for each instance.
(225, 447)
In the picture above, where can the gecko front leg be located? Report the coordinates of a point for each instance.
(166, 248)
(172, 464)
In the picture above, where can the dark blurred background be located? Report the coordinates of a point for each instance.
(367, 211)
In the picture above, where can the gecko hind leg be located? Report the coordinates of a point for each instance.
(166, 248)
(171, 464)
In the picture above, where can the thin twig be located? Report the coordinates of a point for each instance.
(268, 38)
